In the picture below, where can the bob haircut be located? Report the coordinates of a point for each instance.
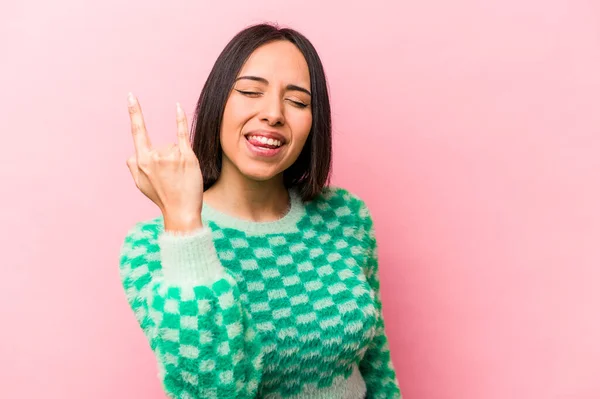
(311, 171)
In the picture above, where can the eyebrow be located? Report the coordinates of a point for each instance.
(265, 81)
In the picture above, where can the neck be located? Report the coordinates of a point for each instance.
(240, 197)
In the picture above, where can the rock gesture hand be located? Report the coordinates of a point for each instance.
(171, 176)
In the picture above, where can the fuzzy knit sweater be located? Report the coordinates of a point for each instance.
(283, 309)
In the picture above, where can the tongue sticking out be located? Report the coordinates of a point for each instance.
(261, 142)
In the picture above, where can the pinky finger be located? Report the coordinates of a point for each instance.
(182, 130)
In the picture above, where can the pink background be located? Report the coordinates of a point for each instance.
(471, 128)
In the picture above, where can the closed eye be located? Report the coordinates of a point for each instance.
(249, 93)
(299, 104)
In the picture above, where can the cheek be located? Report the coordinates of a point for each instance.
(231, 113)
(234, 118)
(301, 125)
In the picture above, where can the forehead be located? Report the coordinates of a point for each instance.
(279, 61)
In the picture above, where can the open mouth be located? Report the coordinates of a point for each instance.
(264, 147)
(264, 142)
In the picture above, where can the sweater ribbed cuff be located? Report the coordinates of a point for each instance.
(190, 257)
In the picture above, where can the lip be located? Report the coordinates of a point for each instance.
(270, 134)
(262, 152)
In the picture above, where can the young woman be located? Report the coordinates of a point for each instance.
(258, 279)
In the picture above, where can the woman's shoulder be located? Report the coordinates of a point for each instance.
(339, 198)
(335, 202)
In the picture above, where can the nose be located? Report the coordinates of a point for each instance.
(272, 111)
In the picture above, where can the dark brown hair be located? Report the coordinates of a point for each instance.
(311, 171)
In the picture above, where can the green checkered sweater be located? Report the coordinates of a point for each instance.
(283, 309)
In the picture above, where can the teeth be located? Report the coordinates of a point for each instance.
(265, 140)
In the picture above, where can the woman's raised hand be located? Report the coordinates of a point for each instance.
(171, 176)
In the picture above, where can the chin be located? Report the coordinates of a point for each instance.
(259, 174)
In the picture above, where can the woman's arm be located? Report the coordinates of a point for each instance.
(190, 310)
(376, 366)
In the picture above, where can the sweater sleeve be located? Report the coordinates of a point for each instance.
(189, 308)
(376, 367)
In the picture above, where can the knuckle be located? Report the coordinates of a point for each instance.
(174, 156)
(137, 127)
(144, 162)
(190, 159)
(170, 158)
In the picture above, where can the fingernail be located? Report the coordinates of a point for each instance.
(179, 108)
(130, 99)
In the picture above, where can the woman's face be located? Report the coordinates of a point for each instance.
(267, 117)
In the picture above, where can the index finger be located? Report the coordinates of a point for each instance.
(138, 127)
(182, 130)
